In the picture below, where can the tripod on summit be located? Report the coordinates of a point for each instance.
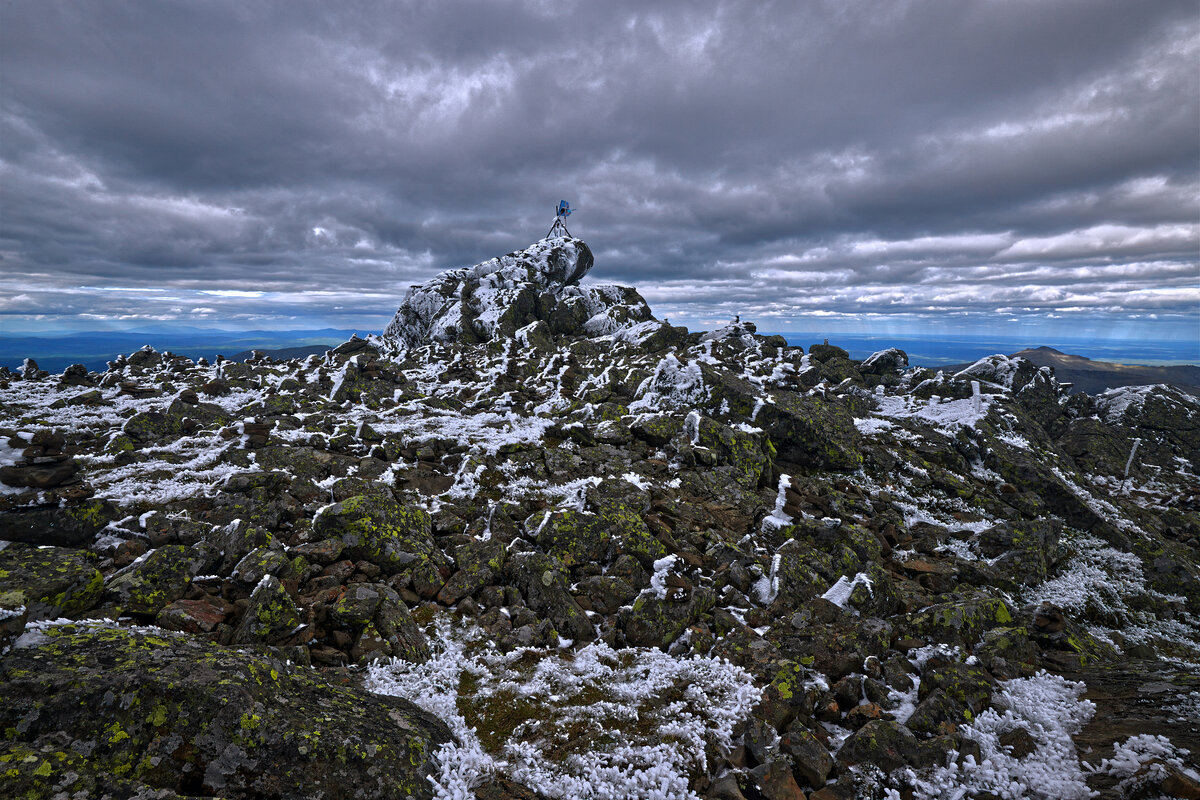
(561, 213)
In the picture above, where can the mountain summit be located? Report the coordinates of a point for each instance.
(498, 297)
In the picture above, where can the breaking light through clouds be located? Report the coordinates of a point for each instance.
(928, 166)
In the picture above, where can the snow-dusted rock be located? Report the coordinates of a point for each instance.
(498, 297)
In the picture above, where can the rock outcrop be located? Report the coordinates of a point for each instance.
(496, 299)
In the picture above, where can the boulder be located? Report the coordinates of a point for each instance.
(52, 582)
(374, 527)
(59, 526)
(885, 743)
(271, 617)
(160, 577)
(126, 712)
(543, 581)
(960, 623)
(656, 622)
(366, 605)
(811, 431)
(885, 362)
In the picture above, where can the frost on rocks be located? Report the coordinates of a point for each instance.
(673, 385)
(1048, 706)
(658, 580)
(658, 714)
(1131, 757)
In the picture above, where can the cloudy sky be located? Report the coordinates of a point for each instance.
(985, 166)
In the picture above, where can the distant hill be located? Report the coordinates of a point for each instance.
(286, 352)
(1097, 376)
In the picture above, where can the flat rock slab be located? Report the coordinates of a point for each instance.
(125, 710)
(1133, 698)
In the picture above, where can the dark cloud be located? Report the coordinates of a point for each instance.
(920, 161)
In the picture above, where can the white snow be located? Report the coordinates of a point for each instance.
(839, 593)
(658, 584)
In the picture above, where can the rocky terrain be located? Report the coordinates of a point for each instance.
(533, 542)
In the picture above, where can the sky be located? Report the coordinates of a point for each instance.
(967, 166)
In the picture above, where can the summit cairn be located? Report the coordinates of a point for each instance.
(535, 291)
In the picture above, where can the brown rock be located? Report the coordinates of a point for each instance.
(1177, 784)
(861, 715)
(775, 781)
(1019, 741)
(725, 788)
(834, 792)
(884, 743)
(190, 616)
(811, 762)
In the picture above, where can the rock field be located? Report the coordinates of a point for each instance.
(533, 542)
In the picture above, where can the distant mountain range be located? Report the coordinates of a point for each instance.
(94, 349)
(1096, 376)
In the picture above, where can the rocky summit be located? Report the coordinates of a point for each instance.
(533, 542)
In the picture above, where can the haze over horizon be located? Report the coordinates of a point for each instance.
(1022, 168)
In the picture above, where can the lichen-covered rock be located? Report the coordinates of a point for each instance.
(124, 711)
(52, 582)
(655, 622)
(812, 431)
(1023, 553)
(271, 617)
(574, 537)
(379, 608)
(480, 562)
(190, 616)
(58, 526)
(811, 762)
(150, 426)
(738, 449)
(263, 561)
(960, 623)
(950, 693)
(237, 539)
(375, 528)
(160, 577)
(885, 743)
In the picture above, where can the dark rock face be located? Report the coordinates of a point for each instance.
(166, 711)
(70, 526)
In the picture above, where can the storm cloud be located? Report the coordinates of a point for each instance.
(847, 164)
